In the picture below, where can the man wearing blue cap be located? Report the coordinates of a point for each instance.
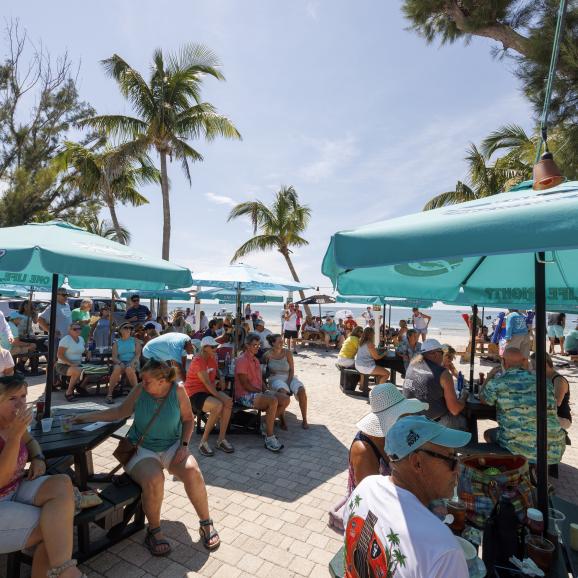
(388, 524)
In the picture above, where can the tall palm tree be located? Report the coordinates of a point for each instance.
(104, 228)
(484, 179)
(111, 174)
(169, 112)
(280, 226)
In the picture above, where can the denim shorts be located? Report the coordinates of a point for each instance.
(247, 400)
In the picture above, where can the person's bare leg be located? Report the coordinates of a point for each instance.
(302, 399)
(283, 401)
(214, 408)
(326, 339)
(131, 376)
(382, 373)
(269, 406)
(562, 339)
(190, 474)
(225, 418)
(74, 374)
(40, 563)
(56, 502)
(114, 379)
(149, 475)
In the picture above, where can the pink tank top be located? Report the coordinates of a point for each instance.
(13, 484)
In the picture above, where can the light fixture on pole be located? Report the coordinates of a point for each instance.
(546, 173)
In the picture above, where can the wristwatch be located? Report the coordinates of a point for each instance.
(184, 444)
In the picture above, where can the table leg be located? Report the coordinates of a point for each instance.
(83, 468)
(393, 375)
(473, 427)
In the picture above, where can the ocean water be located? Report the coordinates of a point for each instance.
(444, 321)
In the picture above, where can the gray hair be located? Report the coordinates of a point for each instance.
(251, 337)
(86, 302)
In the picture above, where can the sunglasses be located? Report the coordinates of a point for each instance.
(76, 328)
(451, 460)
(135, 300)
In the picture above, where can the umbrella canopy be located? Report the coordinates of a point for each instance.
(247, 296)
(240, 276)
(393, 301)
(31, 254)
(477, 252)
(166, 295)
(316, 300)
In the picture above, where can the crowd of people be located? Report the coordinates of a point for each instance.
(402, 458)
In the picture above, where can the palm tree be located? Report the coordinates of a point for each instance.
(484, 180)
(280, 226)
(104, 228)
(169, 112)
(111, 174)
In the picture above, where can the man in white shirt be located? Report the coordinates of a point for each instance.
(387, 520)
(262, 333)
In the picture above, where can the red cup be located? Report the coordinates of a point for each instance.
(39, 410)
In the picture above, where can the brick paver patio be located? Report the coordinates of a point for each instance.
(270, 509)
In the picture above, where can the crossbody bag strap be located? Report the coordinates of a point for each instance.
(153, 418)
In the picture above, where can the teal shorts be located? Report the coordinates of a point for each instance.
(555, 331)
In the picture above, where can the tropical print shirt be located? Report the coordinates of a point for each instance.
(514, 395)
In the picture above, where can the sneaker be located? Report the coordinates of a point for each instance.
(273, 444)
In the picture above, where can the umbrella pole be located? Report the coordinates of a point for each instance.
(541, 392)
(51, 346)
(320, 317)
(29, 318)
(473, 344)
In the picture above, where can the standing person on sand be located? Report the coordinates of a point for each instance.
(420, 322)
(290, 327)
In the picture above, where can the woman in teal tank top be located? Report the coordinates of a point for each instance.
(125, 357)
(165, 446)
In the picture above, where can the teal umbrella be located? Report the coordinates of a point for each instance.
(393, 301)
(32, 254)
(519, 246)
(477, 252)
(247, 296)
(164, 294)
(41, 254)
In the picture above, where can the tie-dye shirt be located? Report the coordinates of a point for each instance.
(514, 395)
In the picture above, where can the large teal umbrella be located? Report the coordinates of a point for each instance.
(32, 254)
(165, 294)
(41, 254)
(515, 246)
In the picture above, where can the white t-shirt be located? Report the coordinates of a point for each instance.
(290, 324)
(419, 321)
(263, 335)
(429, 548)
(6, 361)
(74, 349)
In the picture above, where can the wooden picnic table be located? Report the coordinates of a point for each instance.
(476, 410)
(394, 364)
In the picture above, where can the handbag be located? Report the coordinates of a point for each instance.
(485, 479)
(126, 449)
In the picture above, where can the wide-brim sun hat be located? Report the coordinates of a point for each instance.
(387, 405)
(431, 345)
(209, 341)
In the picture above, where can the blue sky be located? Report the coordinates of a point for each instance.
(335, 97)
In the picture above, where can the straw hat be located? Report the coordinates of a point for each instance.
(387, 405)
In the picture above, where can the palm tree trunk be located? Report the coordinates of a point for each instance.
(166, 219)
(285, 254)
(114, 217)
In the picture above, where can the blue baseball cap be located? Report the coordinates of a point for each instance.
(411, 432)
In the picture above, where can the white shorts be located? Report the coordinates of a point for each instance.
(365, 369)
(279, 383)
(163, 458)
(345, 362)
(19, 516)
(421, 331)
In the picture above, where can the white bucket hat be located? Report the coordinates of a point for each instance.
(387, 405)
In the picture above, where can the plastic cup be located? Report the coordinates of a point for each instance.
(540, 551)
(470, 553)
(457, 509)
(66, 423)
(46, 424)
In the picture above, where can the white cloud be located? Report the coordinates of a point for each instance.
(332, 155)
(220, 199)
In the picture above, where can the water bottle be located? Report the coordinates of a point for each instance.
(460, 384)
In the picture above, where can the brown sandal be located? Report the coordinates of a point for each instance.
(155, 545)
(208, 536)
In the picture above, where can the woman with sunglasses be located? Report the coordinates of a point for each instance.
(69, 358)
(204, 388)
(125, 357)
(164, 447)
(36, 511)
